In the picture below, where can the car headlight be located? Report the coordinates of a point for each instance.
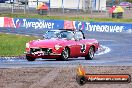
(27, 45)
(57, 47)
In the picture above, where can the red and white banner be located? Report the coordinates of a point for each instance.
(1, 21)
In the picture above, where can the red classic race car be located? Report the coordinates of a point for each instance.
(61, 45)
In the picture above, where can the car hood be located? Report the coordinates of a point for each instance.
(47, 43)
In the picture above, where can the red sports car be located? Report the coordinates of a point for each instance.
(61, 45)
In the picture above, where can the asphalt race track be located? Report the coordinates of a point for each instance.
(119, 54)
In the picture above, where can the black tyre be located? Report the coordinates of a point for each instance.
(30, 58)
(65, 54)
(90, 54)
(81, 80)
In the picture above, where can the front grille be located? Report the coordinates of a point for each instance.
(45, 50)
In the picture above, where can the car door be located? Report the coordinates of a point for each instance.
(71, 43)
(80, 44)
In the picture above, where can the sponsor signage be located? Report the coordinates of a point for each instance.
(33, 23)
(107, 26)
(103, 26)
(59, 24)
(39, 24)
(1, 21)
(83, 77)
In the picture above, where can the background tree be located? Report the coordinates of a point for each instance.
(128, 1)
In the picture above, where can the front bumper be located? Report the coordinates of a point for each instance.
(44, 56)
(40, 53)
(43, 53)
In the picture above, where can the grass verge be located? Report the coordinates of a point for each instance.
(66, 18)
(13, 45)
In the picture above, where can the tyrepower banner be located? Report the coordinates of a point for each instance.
(103, 26)
(59, 24)
(33, 23)
(107, 26)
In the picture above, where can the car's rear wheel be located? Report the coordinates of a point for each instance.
(65, 54)
(29, 58)
(90, 54)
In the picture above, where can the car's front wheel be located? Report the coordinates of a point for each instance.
(90, 54)
(30, 58)
(65, 54)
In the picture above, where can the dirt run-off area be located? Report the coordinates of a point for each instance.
(58, 77)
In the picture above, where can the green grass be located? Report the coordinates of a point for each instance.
(13, 45)
(66, 18)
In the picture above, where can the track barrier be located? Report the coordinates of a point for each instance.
(28, 23)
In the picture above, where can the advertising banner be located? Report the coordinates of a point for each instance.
(102, 26)
(60, 24)
(33, 23)
(107, 26)
(79, 25)
(1, 21)
(38, 23)
(9, 22)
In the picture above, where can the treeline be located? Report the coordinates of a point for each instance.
(128, 0)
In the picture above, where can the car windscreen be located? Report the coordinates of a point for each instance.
(59, 34)
(51, 34)
(67, 35)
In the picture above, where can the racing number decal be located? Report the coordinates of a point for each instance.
(83, 48)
